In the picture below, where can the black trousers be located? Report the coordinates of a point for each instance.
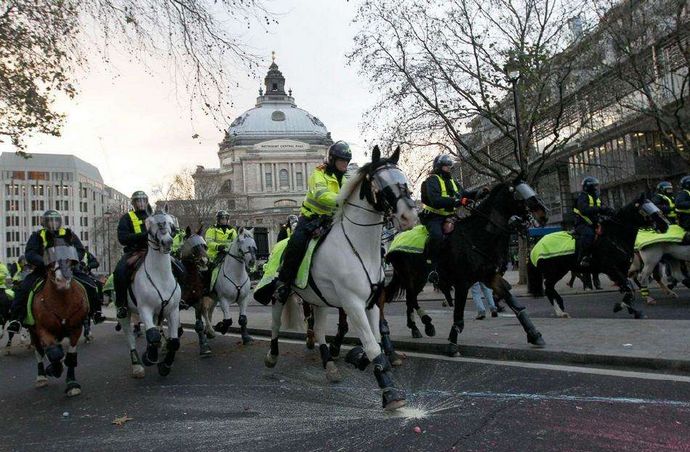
(585, 239)
(297, 247)
(94, 290)
(434, 224)
(21, 295)
(121, 280)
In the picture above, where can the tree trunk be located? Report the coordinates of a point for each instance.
(523, 255)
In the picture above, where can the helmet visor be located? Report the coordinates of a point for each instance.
(223, 220)
(140, 203)
(52, 223)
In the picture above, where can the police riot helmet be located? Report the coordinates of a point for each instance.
(685, 183)
(442, 160)
(590, 184)
(339, 150)
(664, 188)
(292, 221)
(223, 217)
(52, 220)
(140, 200)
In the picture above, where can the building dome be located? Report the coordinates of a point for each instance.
(277, 116)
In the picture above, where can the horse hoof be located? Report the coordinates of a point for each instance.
(395, 359)
(393, 399)
(205, 351)
(416, 333)
(536, 340)
(164, 369)
(41, 381)
(73, 392)
(430, 330)
(332, 373)
(334, 350)
(246, 340)
(453, 350)
(138, 371)
(270, 360)
(618, 307)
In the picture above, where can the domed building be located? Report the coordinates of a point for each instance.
(265, 158)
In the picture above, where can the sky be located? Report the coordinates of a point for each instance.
(136, 128)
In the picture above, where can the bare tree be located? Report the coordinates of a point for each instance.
(42, 42)
(646, 56)
(193, 201)
(441, 67)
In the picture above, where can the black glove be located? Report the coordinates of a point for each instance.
(222, 248)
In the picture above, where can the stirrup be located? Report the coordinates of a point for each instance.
(433, 277)
(283, 292)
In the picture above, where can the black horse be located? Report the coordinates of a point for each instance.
(612, 254)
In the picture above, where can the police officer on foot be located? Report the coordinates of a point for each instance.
(587, 210)
(132, 235)
(441, 195)
(318, 208)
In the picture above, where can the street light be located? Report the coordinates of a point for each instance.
(512, 69)
(107, 215)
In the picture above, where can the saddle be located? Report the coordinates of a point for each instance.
(134, 261)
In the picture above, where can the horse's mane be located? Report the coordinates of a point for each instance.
(355, 181)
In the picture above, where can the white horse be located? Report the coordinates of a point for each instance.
(347, 270)
(157, 296)
(233, 284)
(650, 256)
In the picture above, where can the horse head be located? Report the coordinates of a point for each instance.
(515, 201)
(194, 249)
(642, 213)
(385, 188)
(59, 259)
(246, 246)
(159, 228)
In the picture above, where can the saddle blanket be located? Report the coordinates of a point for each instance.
(560, 243)
(412, 241)
(275, 260)
(647, 237)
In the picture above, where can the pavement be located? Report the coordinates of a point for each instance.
(230, 401)
(593, 336)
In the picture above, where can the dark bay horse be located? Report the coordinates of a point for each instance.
(193, 255)
(59, 309)
(478, 248)
(612, 254)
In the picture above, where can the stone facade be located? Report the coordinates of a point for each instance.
(265, 158)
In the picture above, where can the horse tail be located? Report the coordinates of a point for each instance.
(535, 280)
(394, 289)
(292, 317)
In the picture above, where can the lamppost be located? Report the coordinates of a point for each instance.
(512, 69)
(107, 215)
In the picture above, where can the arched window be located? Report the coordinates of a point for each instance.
(226, 187)
(284, 179)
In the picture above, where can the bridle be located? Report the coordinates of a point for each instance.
(153, 240)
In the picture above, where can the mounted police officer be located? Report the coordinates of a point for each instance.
(38, 242)
(219, 237)
(682, 202)
(287, 228)
(663, 199)
(317, 209)
(587, 210)
(441, 195)
(132, 235)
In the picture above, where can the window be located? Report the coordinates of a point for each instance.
(66, 220)
(11, 205)
(37, 190)
(269, 180)
(299, 179)
(38, 175)
(37, 204)
(284, 179)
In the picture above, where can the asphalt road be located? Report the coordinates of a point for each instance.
(231, 401)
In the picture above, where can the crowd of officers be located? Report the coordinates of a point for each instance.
(441, 195)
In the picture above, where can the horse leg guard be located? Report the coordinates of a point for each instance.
(204, 349)
(413, 329)
(73, 388)
(343, 328)
(533, 335)
(246, 338)
(393, 397)
(387, 344)
(173, 345)
(153, 338)
(325, 354)
(271, 358)
(55, 355)
(455, 331)
(628, 301)
(223, 326)
(358, 358)
(429, 328)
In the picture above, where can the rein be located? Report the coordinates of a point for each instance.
(384, 221)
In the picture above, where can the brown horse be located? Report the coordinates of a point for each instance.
(59, 309)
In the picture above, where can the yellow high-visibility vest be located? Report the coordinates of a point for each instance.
(322, 194)
(61, 233)
(136, 222)
(671, 204)
(444, 194)
(592, 203)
